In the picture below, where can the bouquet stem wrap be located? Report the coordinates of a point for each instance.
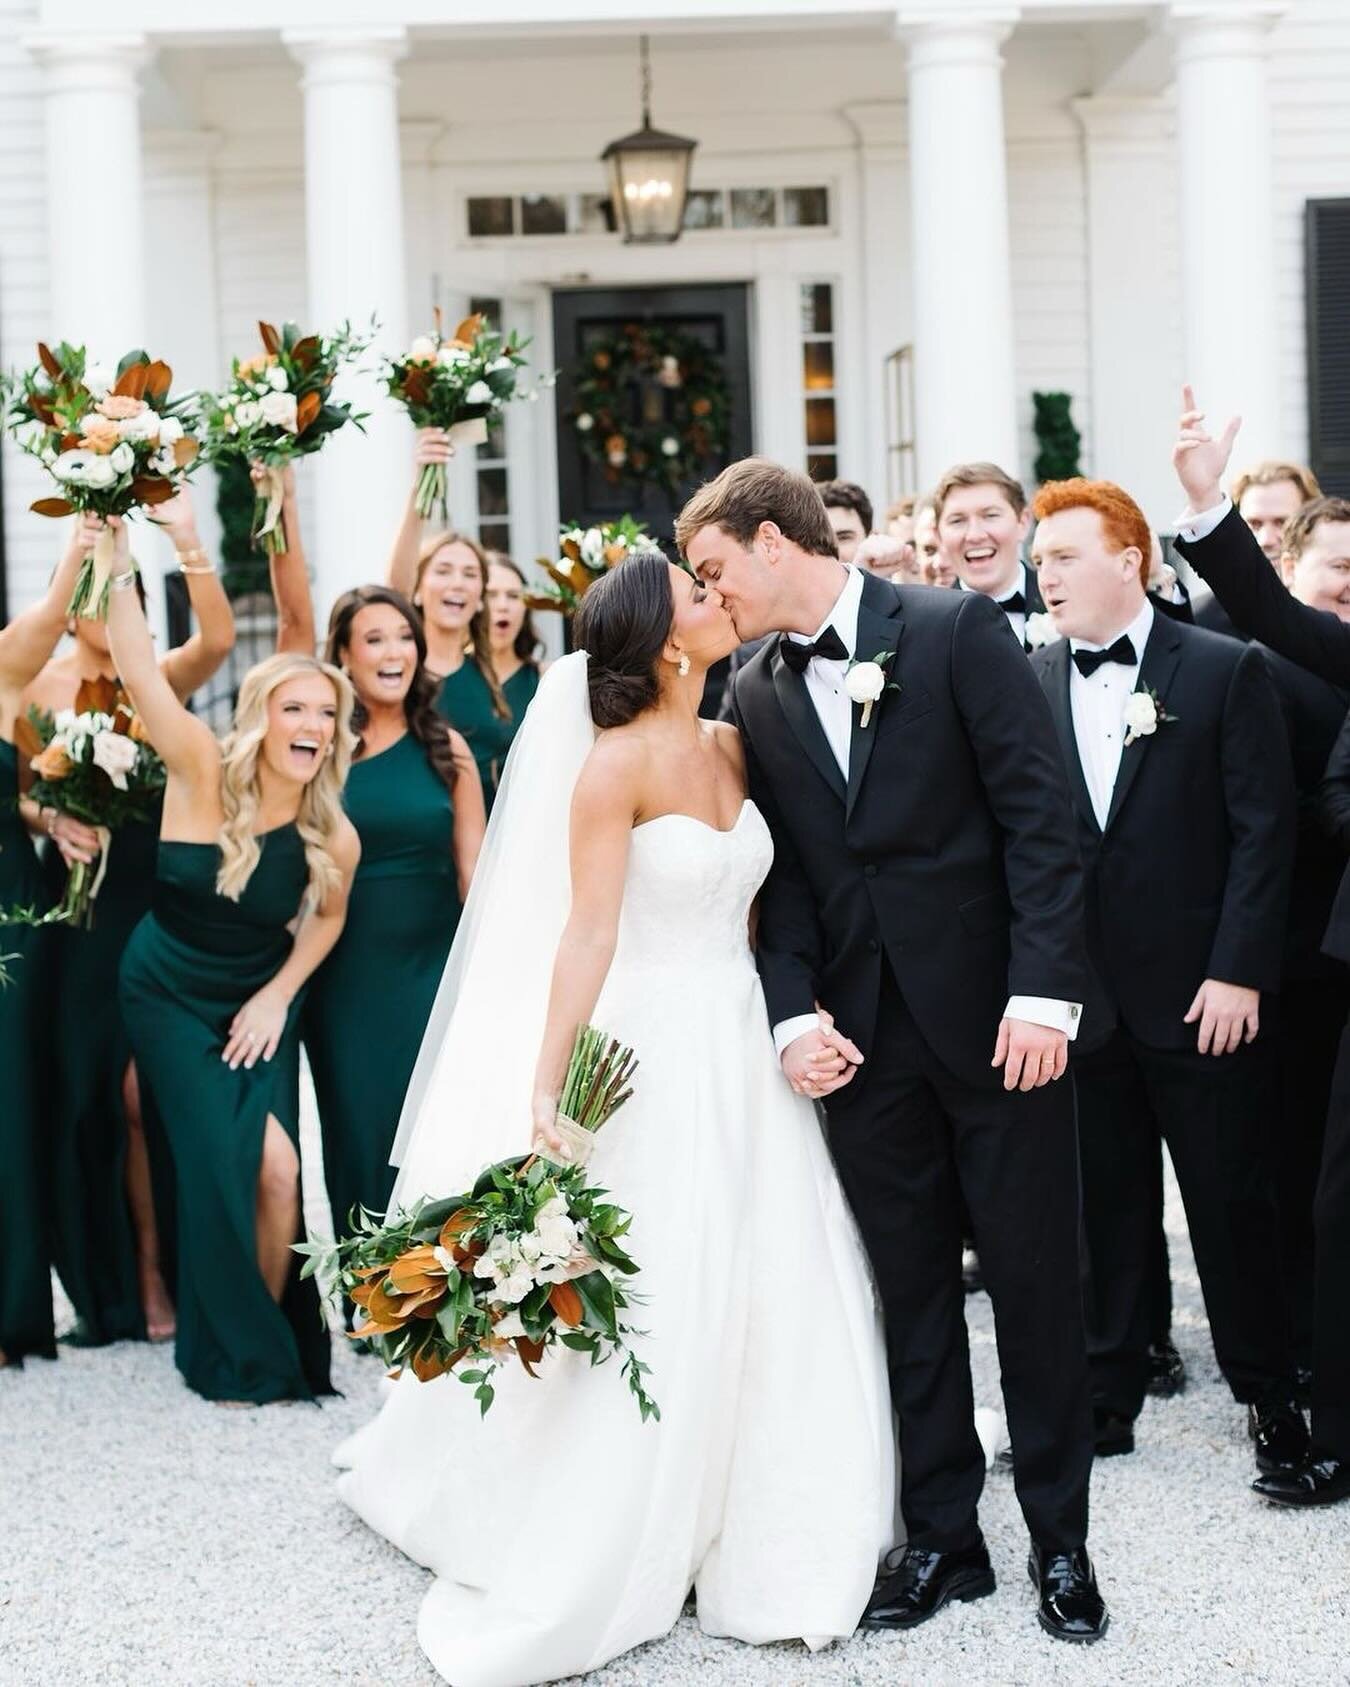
(268, 527)
(578, 1143)
(432, 487)
(90, 597)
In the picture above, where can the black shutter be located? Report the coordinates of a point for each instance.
(1327, 230)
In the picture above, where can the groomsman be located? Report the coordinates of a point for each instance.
(982, 524)
(1267, 497)
(1220, 546)
(1180, 774)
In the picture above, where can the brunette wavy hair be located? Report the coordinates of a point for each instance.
(425, 722)
(321, 813)
(623, 623)
(479, 648)
(528, 642)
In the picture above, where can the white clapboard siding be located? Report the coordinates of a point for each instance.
(31, 543)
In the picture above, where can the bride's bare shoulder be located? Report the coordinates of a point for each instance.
(730, 745)
(615, 771)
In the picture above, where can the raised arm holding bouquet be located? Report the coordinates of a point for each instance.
(115, 441)
(279, 406)
(584, 555)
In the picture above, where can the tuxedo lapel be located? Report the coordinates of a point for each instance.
(879, 630)
(1161, 655)
(1032, 593)
(796, 704)
(1060, 672)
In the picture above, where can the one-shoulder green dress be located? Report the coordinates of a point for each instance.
(466, 703)
(368, 1003)
(519, 692)
(26, 1009)
(191, 964)
(93, 1239)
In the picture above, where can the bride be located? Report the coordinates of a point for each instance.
(562, 1530)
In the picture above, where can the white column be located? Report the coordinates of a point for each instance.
(354, 237)
(95, 226)
(1227, 266)
(965, 394)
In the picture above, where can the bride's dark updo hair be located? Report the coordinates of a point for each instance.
(623, 624)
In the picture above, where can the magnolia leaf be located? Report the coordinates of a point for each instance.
(151, 489)
(27, 738)
(185, 450)
(158, 379)
(469, 329)
(42, 409)
(429, 1364)
(566, 1302)
(306, 410)
(52, 506)
(531, 1352)
(270, 338)
(417, 385)
(132, 357)
(97, 696)
(131, 382)
(305, 352)
(48, 360)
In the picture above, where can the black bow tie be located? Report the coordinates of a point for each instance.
(797, 656)
(1088, 661)
(1015, 604)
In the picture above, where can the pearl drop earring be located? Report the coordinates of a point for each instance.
(684, 666)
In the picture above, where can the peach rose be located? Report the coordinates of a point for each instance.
(53, 763)
(118, 407)
(100, 435)
(256, 365)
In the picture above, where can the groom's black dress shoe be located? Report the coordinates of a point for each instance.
(1111, 1434)
(1071, 1607)
(1166, 1370)
(1322, 1481)
(1279, 1435)
(924, 1582)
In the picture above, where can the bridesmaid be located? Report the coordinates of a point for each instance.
(446, 576)
(255, 861)
(107, 1239)
(25, 1004)
(415, 799)
(515, 644)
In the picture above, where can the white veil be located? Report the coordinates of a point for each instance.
(468, 1101)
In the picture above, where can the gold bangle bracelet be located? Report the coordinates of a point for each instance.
(123, 582)
(195, 554)
(205, 568)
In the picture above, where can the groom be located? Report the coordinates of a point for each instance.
(926, 895)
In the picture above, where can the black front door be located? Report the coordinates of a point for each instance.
(586, 317)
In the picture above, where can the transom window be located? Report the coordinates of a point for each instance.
(507, 216)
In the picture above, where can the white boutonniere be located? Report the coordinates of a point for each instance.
(866, 681)
(1144, 714)
(1041, 630)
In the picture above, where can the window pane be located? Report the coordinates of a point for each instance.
(820, 422)
(495, 447)
(820, 465)
(818, 365)
(703, 208)
(753, 207)
(543, 213)
(491, 493)
(490, 308)
(490, 216)
(806, 207)
(595, 213)
(494, 536)
(817, 308)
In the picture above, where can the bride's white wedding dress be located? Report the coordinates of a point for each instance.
(561, 1529)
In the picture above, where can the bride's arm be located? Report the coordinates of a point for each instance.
(604, 807)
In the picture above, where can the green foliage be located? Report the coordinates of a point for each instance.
(1057, 437)
(244, 563)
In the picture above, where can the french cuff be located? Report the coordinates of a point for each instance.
(1192, 527)
(1044, 1010)
(788, 1030)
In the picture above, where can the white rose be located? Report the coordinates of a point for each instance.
(1140, 716)
(513, 1289)
(585, 422)
(116, 755)
(484, 1267)
(99, 473)
(670, 446)
(65, 722)
(552, 1271)
(496, 367)
(246, 413)
(277, 378)
(1041, 631)
(592, 549)
(162, 462)
(531, 1246)
(558, 1239)
(278, 409)
(170, 430)
(122, 458)
(864, 682)
(144, 425)
(422, 350)
(452, 355)
(98, 380)
(479, 393)
(506, 1329)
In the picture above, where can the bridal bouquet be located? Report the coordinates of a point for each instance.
(458, 384)
(114, 440)
(583, 557)
(528, 1258)
(279, 406)
(94, 763)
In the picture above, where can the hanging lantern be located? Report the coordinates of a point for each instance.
(648, 176)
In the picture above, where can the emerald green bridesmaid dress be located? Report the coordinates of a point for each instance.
(93, 1239)
(368, 1003)
(26, 1009)
(466, 703)
(519, 692)
(190, 965)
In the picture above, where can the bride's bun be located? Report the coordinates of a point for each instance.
(623, 624)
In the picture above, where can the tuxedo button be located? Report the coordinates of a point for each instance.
(870, 870)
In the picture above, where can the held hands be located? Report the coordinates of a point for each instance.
(1199, 459)
(1229, 1015)
(822, 1061)
(1030, 1055)
(255, 1031)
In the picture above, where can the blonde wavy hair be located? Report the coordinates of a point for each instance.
(321, 811)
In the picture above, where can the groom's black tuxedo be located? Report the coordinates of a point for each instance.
(913, 897)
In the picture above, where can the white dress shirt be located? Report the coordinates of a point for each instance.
(1097, 704)
(1017, 618)
(1192, 527)
(824, 681)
